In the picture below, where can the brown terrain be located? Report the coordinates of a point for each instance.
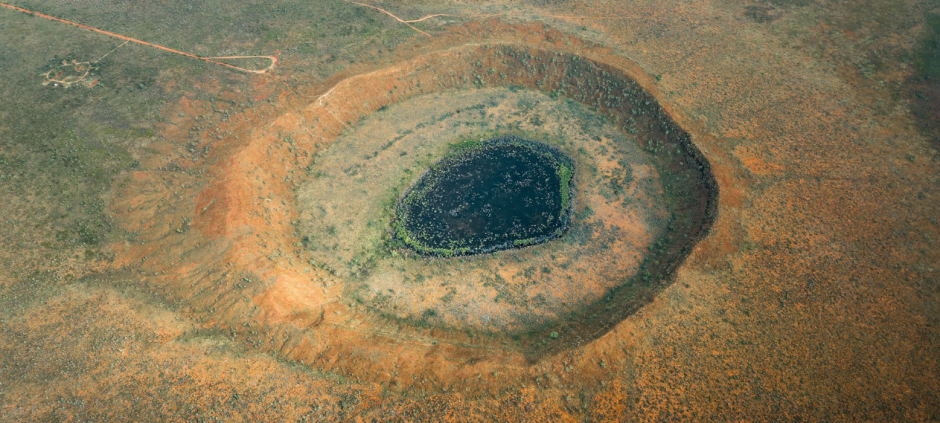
(807, 289)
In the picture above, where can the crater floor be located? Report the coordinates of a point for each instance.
(348, 208)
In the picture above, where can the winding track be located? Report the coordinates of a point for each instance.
(213, 60)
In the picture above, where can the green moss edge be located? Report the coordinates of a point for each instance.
(563, 166)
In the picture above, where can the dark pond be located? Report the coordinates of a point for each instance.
(502, 193)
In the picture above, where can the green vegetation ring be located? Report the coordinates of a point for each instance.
(487, 196)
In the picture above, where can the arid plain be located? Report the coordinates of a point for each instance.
(157, 264)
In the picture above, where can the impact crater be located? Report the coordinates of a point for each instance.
(291, 228)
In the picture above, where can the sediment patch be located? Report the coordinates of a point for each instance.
(487, 196)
